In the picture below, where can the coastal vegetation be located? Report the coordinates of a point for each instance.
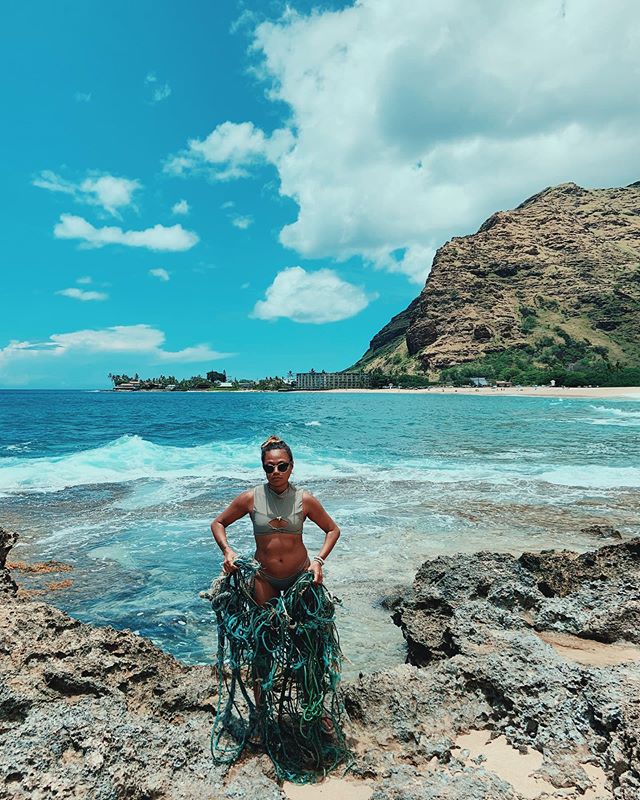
(169, 382)
(214, 381)
(166, 382)
(558, 359)
(554, 357)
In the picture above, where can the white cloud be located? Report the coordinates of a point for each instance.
(80, 294)
(200, 352)
(242, 222)
(246, 19)
(54, 183)
(160, 91)
(413, 261)
(134, 339)
(230, 151)
(82, 97)
(174, 238)
(110, 193)
(116, 339)
(107, 191)
(84, 280)
(315, 297)
(409, 122)
(181, 208)
(160, 273)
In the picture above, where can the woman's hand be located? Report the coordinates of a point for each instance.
(316, 568)
(229, 565)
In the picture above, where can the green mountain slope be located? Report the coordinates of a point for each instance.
(553, 285)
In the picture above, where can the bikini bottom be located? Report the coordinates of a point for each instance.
(282, 584)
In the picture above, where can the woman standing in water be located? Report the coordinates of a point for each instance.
(278, 511)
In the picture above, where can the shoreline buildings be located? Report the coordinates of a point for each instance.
(332, 380)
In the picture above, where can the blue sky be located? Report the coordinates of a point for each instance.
(258, 188)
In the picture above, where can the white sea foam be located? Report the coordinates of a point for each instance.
(18, 447)
(593, 477)
(314, 423)
(623, 417)
(127, 458)
(172, 473)
(617, 412)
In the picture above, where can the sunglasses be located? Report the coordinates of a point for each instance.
(283, 466)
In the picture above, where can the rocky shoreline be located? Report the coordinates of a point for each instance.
(522, 681)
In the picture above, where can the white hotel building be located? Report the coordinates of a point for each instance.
(332, 380)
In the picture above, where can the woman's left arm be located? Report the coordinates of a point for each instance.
(314, 511)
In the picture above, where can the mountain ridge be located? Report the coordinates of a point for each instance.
(554, 282)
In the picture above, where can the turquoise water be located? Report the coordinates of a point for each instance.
(124, 487)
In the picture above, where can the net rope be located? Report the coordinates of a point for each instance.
(289, 650)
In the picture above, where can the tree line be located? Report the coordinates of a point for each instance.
(272, 383)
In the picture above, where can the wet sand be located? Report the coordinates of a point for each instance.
(590, 652)
(330, 789)
(519, 769)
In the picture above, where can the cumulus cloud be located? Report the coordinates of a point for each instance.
(411, 122)
(230, 151)
(80, 294)
(174, 238)
(242, 222)
(159, 273)
(315, 297)
(111, 193)
(84, 280)
(107, 191)
(180, 208)
(134, 339)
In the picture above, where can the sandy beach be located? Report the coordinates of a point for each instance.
(629, 392)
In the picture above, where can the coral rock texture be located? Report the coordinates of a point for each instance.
(522, 681)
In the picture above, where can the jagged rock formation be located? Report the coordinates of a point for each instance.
(522, 647)
(88, 712)
(567, 258)
(510, 661)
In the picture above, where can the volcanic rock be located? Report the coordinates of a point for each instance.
(523, 678)
(566, 262)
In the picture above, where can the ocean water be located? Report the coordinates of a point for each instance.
(124, 486)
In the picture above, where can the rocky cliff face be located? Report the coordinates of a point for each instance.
(567, 259)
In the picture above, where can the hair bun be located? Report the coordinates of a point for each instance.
(271, 440)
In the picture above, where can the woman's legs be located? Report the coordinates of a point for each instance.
(263, 591)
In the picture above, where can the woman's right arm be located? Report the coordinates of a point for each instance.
(238, 507)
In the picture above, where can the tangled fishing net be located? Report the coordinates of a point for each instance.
(290, 650)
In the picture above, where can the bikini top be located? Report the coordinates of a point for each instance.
(277, 513)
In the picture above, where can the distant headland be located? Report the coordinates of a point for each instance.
(548, 292)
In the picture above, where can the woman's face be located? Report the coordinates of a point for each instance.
(276, 478)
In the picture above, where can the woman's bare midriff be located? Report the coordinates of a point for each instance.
(280, 554)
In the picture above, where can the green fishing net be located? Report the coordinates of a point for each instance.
(289, 649)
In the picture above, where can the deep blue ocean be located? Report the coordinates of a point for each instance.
(124, 486)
